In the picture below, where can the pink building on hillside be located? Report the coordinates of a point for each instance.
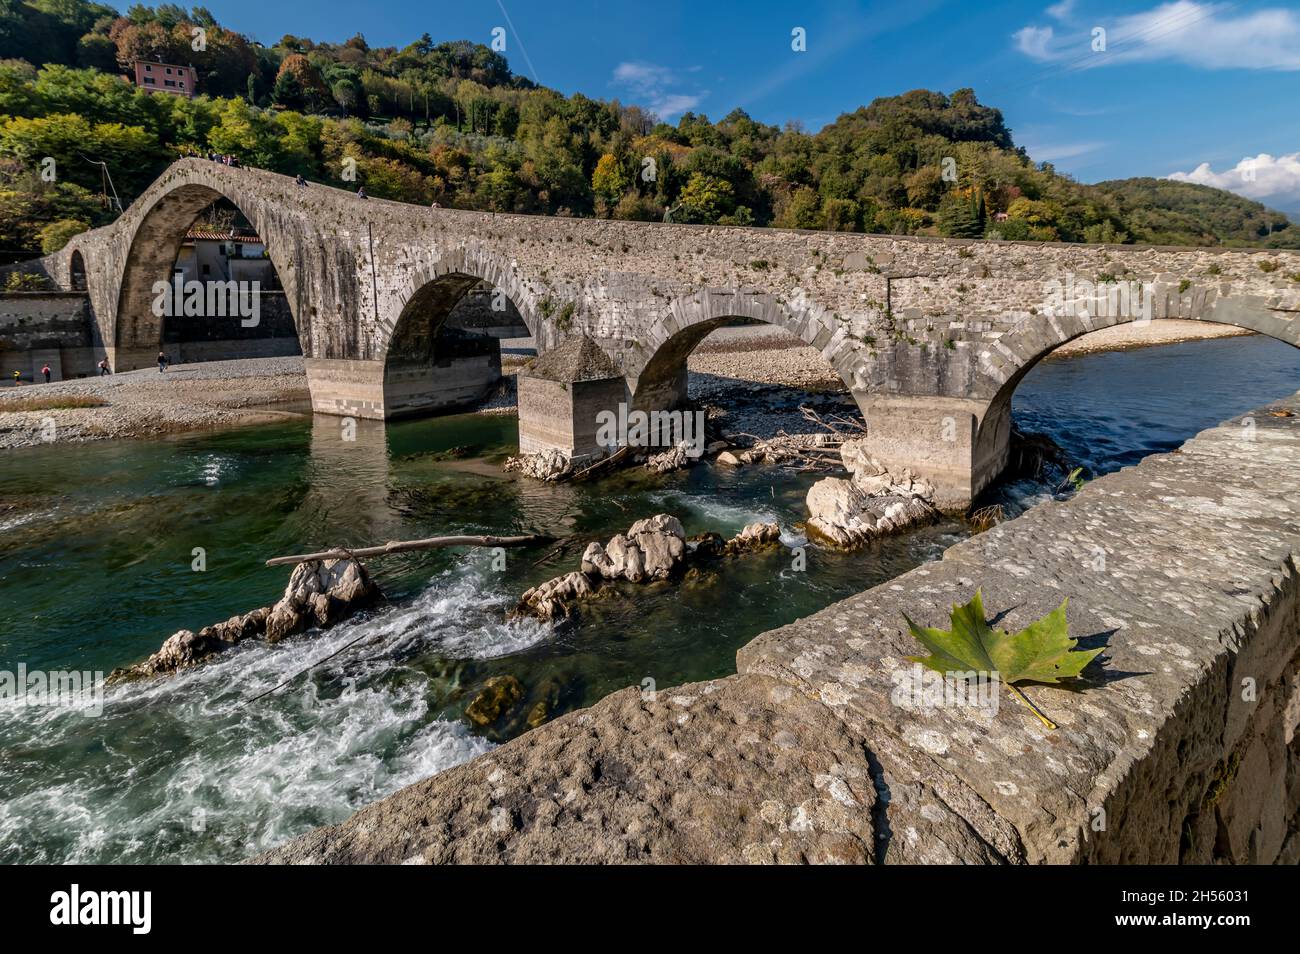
(166, 78)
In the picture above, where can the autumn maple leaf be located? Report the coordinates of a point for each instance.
(1041, 652)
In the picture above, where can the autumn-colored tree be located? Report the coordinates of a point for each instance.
(307, 79)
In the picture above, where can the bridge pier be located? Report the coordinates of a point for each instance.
(561, 397)
(131, 359)
(380, 390)
(959, 444)
(346, 387)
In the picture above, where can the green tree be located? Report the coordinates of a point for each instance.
(960, 216)
(705, 199)
(608, 179)
(59, 232)
(801, 211)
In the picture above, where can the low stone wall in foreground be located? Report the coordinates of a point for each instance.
(1179, 747)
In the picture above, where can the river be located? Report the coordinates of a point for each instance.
(97, 567)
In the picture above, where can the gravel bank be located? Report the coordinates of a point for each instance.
(1165, 331)
(146, 403)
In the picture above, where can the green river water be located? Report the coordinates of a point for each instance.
(96, 570)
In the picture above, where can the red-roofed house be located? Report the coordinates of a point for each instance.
(211, 255)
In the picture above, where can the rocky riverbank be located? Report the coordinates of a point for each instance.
(811, 753)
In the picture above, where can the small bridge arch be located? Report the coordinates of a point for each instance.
(657, 369)
(428, 367)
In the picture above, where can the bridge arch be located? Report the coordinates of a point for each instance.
(657, 373)
(428, 367)
(1037, 337)
(152, 250)
(77, 271)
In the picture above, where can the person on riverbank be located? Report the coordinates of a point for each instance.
(46, 371)
(18, 378)
(103, 367)
(162, 361)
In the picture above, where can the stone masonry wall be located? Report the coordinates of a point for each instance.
(37, 328)
(1179, 747)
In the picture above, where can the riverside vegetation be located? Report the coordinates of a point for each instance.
(450, 122)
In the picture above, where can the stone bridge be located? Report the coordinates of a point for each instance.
(930, 335)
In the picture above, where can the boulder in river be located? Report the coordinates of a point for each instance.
(652, 549)
(320, 593)
(840, 513)
(871, 503)
(544, 465)
(674, 458)
(755, 536)
(499, 695)
(550, 600)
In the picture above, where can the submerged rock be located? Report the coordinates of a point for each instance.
(707, 544)
(319, 593)
(498, 696)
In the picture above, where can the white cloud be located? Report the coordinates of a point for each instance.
(1062, 10)
(1054, 152)
(652, 84)
(1034, 42)
(1265, 178)
(1200, 34)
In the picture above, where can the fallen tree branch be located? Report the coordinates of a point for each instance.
(614, 458)
(830, 420)
(404, 546)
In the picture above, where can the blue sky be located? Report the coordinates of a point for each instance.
(1209, 91)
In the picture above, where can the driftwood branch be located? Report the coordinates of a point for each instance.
(830, 420)
(404, 546)
(605, 462)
